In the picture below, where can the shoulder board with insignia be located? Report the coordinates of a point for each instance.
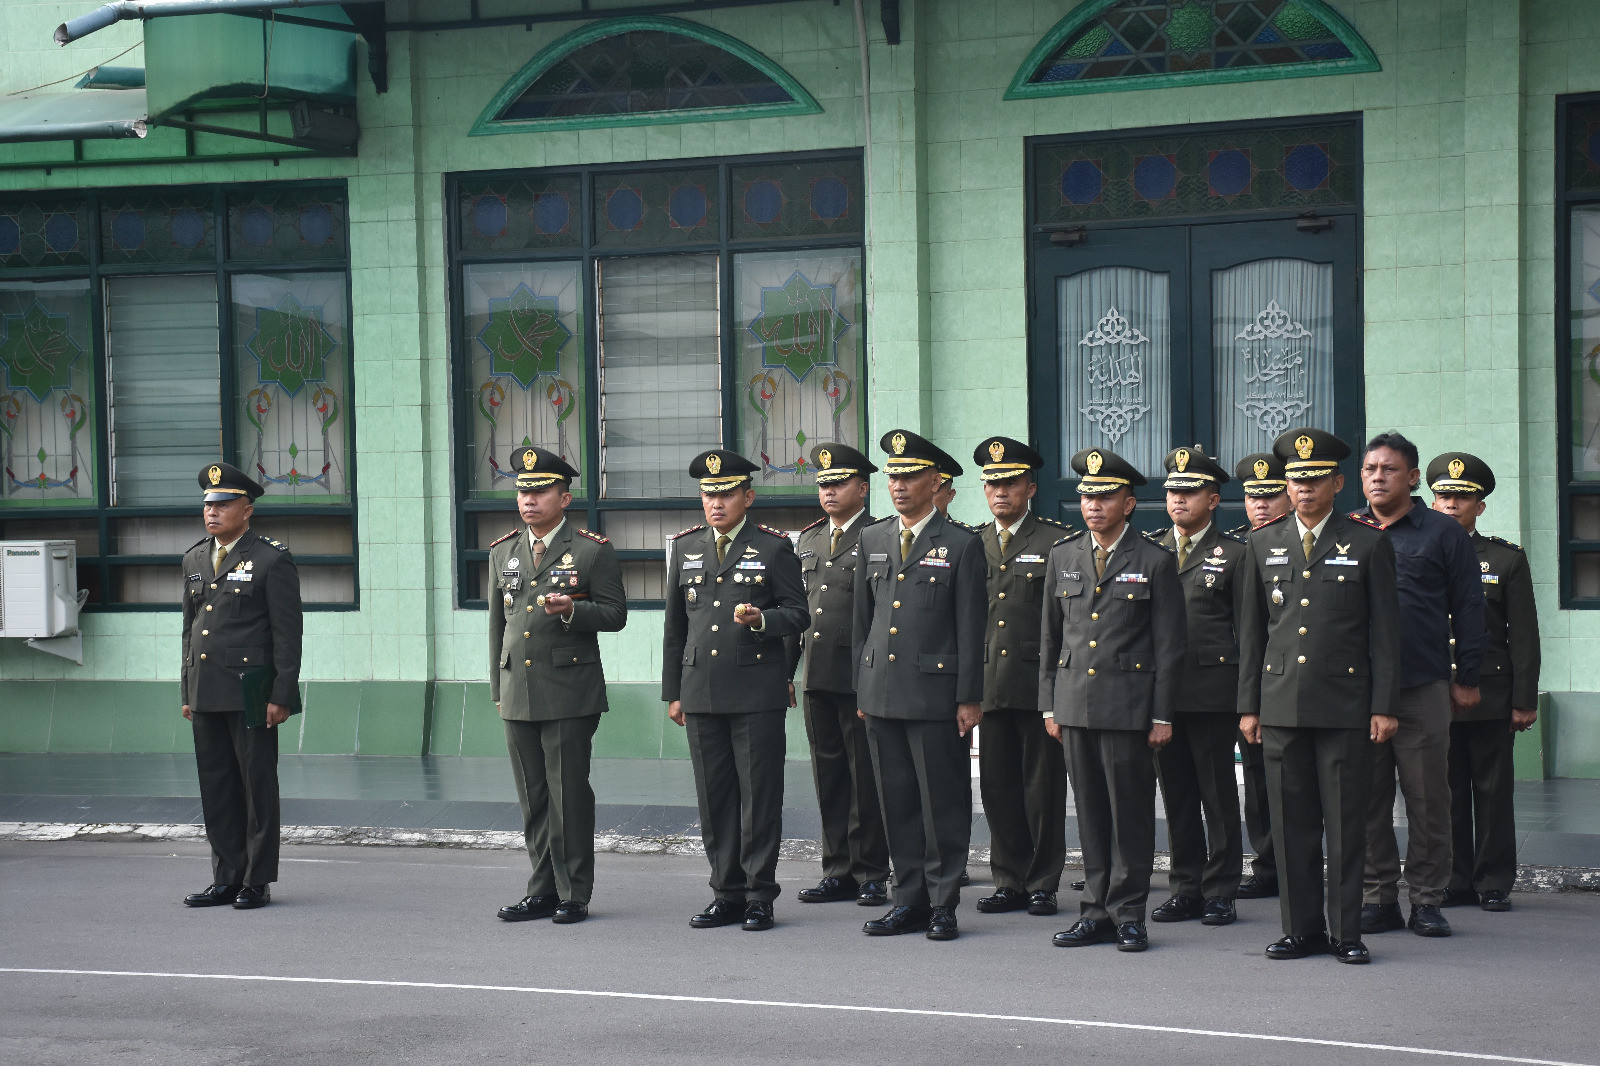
(686, 532)
(1235, 535)
(815, 524)
(1051, 522)
(774, 532)
(1356, 516)
(1158, 544)
(1503, 541)
(275, 544)
(507, 537)
(592, 535)
(1157, 534)
(1074, 535)
(1275, 521)
(197, 544)
(880, 521)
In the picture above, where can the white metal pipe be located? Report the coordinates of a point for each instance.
(121, 10)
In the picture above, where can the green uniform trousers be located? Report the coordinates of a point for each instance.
(1483, 818)
(238, 767)
(1022, 776)
(925, 784)
(738, 779)
(1114, 791)
(550, 764)
(1258, 812)
(853, 844)
(1202, 803)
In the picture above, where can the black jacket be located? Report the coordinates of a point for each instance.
(237, 621)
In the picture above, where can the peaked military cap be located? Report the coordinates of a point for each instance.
(1192, 468)
(1261, 474)
(537, 468)
(1101, 470)
(720, 470)
(911, 454)
(223, 481)
(1001, 457)
(1309, 453)
(1458, 473)
(839, 462)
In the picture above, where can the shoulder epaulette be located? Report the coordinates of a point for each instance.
(774, 532)
(1238, 533)
(592, 535)
(1160, 545)
(196, 544)
(686, 532)
(881, 521)
(1275, 521)
(269, 540)
(815, 524)
(1157, 534)
(1074, 535)
(969, 527)
(1051, 522)
(1356, 516)
(508, 536)
(1503, 541)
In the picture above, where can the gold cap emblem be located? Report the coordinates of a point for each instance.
(997, 451)
(1303, 446)
(825, 457)
(713, 465)
(1093, 462)
(215, 475)
(529, 458)
(1457, 468)
(898, 443)
(1262, 469)
(1181, 460)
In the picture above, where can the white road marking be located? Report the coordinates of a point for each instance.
(845, 1007)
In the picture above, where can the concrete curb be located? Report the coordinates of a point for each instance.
(1529, 878)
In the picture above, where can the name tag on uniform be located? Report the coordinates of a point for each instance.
(1071, 575)
(751, 564)
(877, 557)
(240, 575)
(1276, 560)
(808, 553)
(1341, 561)
(693, 564)
(1131, 579)
(513, 578)
(935, 561)
(1030, 559)
(1491, 579)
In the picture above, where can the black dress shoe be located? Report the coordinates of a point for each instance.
(1078, 886)
(1458, 897)
(1132, 937)
(1298, 947)
(720, 912)
(1004, 899)
(1042, 904)
(1256, 888)
(531, 908)
(899, 920)
(1179, 909)
(1427, 921)
(830, 890)
(570, 912)
(1086, 931)
(942, 924)
(1353, 952)
(252, 896)
(1219, 911)
(966, 878)
(1496, 901)
(873, 894)
(758, 916)
(1381, 917)
(214, 896)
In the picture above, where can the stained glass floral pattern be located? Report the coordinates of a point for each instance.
(46, 393)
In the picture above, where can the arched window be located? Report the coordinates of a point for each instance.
(637, 71)
(1105, 45)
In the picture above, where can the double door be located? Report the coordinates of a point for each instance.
(1147, 338)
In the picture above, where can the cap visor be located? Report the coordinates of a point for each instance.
(223, 495)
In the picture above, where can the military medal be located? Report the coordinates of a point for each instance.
(566, 560)
(508, 599)
(1277, 595)
(691, 594)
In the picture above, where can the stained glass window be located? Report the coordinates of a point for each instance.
(516, 213)
(291, 225)
(43, 232)
(655, 208)
(643, 70)
(1123, 43)
(798, 324)
(774, 200)
(1578, 368)
(524, 331)
(291, 357)
(47, 393)
(158, 229)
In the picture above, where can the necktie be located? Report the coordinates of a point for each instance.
(722, 546)
(1307, 541)
(538, 553)
(1100, 555)
(906, 537)
(1005, 542)
(216, 563)
(833, 547)
(1184, 543)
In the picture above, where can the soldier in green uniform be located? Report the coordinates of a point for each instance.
(1111, 654)
(1022, 771)
(918, 647)
(242, 629)
(855, 853)
(733, 594)
(1266, 496)
(1319, 671)
(1483, 817)
(559, 586)
(1196, 769)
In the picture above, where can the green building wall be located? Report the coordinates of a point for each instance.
(1457, 286)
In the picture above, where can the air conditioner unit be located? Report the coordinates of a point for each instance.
(39, 598)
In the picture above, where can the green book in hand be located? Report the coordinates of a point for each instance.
(257, 684)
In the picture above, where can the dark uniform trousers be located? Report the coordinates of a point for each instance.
(1420, 751)
(853, 840)
(933, 831)
(238, 767)
(1321, 780)
(1483, 820)
(1023, 782)
(1196, 774)
(551, 759)
(740, 789)
(1118, 837)
(1257, 812)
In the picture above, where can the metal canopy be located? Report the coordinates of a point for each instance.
(88, 115)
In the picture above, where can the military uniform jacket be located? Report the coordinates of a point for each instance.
(918, 628)
(1319, 640)
(246, 617)
(1510, 673)
(1111, 649)
(830, 579)
(1209, 575)
(541, 668)
(709, 661)
(1015, 587)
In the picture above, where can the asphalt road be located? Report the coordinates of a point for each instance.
(365, 951)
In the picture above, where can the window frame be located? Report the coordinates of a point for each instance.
(589, 508)
(222, 268)
(1567, 486)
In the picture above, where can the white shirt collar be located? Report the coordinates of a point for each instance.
(848, 522)
(232, 544)
(1114, 544)
(921, 524)
(1176, 533)
(1315, 531)
(732, 534)
(1012, 529)
(548, 538)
